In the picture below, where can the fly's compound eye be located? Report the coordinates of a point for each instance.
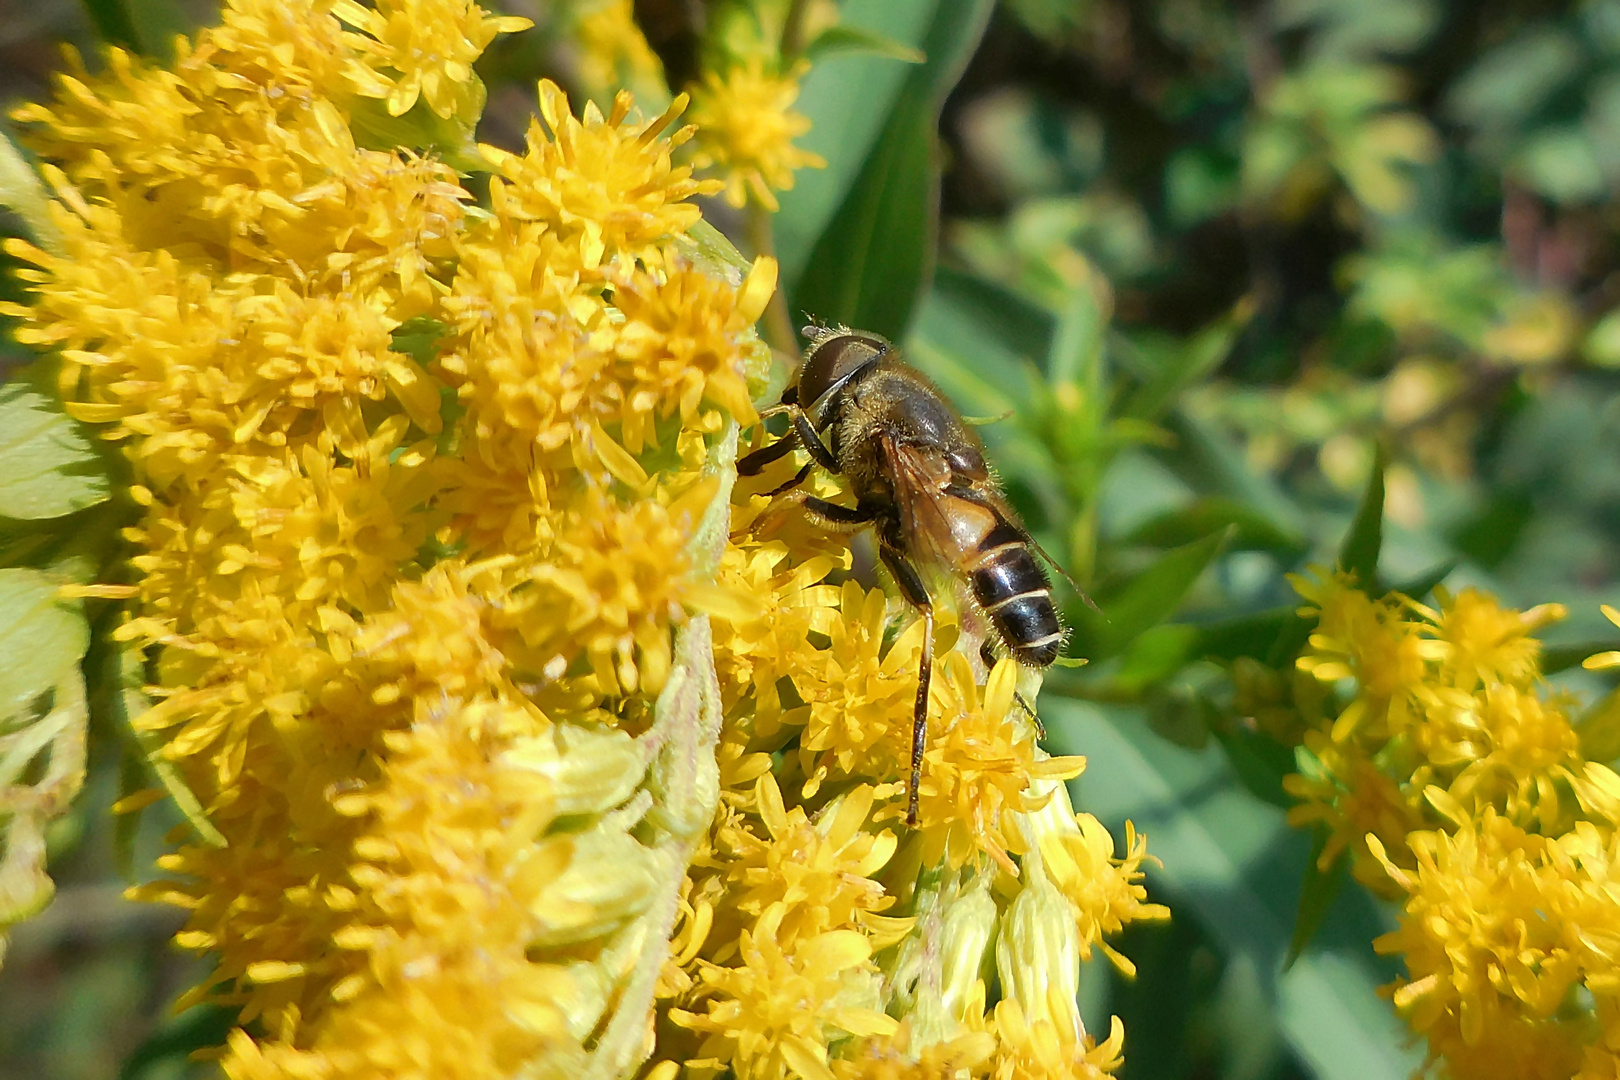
(832, 360)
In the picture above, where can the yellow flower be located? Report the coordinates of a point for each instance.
(1345, 790)
(1487, 643)
(978, 767)
(773, 1016)
(745, 130)
(607, 185)
(1105, 893)
(612, 49)
(1499, 926)
(752, 656)
(429, 45)
(605, 588)
(1604, 660)
(819, 873)
(857, 697)
(1038, 1050)
(1368, 640)
(891, 1058)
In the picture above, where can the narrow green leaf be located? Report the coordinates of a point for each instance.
(1157, 654)
(24, 194)
(1316, 895)
(847, 98)
(113, 22)
(1076, 353)
(869, 266)
(1186, 363)
(169, 1050)
(842, 37)
(871, 262)
(1599, 728)
(1209, 461)
(1358, 556)
(128, 703)
(47, 467)
(1556, 658)
(1146, 600)
(43, 717)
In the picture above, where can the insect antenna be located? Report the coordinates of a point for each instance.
(1064, 574)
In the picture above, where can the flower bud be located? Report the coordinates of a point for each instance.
(591, 770)
(1038, 954)
(610, 879)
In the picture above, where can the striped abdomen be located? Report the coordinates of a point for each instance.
(1014, 591)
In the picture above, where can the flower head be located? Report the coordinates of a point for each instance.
(745, 130)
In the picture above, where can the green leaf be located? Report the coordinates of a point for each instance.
(144, 26)
(1316, 895)
(128, 702)
(1253, 635)
(871, 262)
(1230, 862)
(1177, 365)
(24, 194)
(1146, 600)
(43, 717)
(1157, 654)
(42, 637)
(1556, 658)
(1207, 459)
(1251, 530)
(47, 467)
(847, 98)
(1358, 555)
(1260, 762)
(168, 1051)
(1425, 583)
(842, 37)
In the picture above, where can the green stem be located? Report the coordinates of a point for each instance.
(778, 323)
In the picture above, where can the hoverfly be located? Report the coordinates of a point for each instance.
(919, 478)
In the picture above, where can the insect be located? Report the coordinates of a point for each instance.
(920, 481)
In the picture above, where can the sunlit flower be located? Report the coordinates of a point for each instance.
(773, 1016)
(745, 130)
(1490, 942)
(606, 184)
(977, 768)
(422, 48)
(1038, 1050)
(820, 873)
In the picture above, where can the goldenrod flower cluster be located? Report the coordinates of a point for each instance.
(1459, 785)
(527, 744)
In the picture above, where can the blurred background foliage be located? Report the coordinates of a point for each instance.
(1244, 287)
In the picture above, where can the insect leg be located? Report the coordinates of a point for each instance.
(753, 463)
(812, 442)
(916, 593)
(798, 478)
(1040, 728)
(831, 516)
